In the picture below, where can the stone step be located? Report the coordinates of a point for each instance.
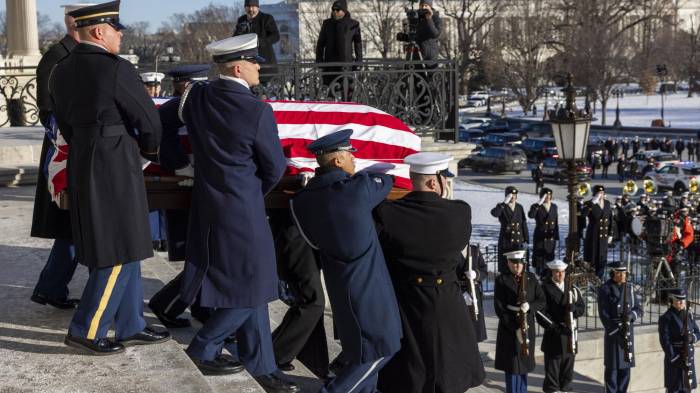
(20, 145)
(19, 175)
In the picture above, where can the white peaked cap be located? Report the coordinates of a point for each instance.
(75, 6)
(428, 163)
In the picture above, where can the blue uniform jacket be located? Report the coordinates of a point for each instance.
(610, 312)
(334, 213)
(238, 159)
(671, 338)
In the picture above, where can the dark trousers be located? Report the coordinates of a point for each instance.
(156, 218)
(516, 383)
(112, 295)
(176, 221)
(167, 301)
(558, 373)
(252, 328)
(58, 271)
(356, 378)
(301, 333)
(617, 380)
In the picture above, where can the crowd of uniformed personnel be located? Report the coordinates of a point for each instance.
(402, 279)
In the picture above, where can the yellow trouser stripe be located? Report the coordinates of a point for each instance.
(95, 323)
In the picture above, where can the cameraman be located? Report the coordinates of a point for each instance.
(428, 30)
(264, 26)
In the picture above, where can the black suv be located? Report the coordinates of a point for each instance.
(499, 125)
(497, 159)
(538, 129)
(501, 139)
(536, 148)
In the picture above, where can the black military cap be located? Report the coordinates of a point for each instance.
(337, 141)
(678, 293)
(618, 266)
(97, 14)
(544, 191)
(511, 190)
(189, 72)
(598, 188)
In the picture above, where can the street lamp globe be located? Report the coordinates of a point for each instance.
(570, 126)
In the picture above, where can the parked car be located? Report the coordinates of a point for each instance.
(499, 125)
(535, 130)
(497, 159)
(661, 159)
(536, 148)
(556, 169)
(473, 135)
(675, 176)
(501, 139)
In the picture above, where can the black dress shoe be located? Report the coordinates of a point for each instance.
(65, 304)
(145, 337)
(156, 245)
(286, 367)
(172, 322)
(221, 365)
(101, 347)
(163, 246)
(277, 383)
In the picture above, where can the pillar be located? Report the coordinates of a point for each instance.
(22, 30)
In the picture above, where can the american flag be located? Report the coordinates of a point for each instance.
(379, 138)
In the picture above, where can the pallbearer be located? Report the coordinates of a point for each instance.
(152, 82)
(479, 273)
(544, 243)
(422, 236)
(514, 233)
(619, 306)
(678, 333)
(517, 297)
(559, 344)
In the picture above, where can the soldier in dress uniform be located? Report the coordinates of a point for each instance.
(558, 359)
(152, 82)
(334, 214)
(510, 339)
(183, 75)
(610, 309)
(598, 230)
(679, 362)
(48, 220)
(481, 272)
(109, 212)
(514, 233)
(422, 236)
(546, 234)
(230, 262)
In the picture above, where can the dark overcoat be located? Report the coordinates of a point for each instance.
(509, 358)
(265, 27)
(48, 221)
(428, 36)
(599, 227)
(478, 265)
(337, 40)
(610, 308)
(671, 336)
(238, 159)
(105, 116)
(553, 317)
(514, 234)
(546, 235)
(334, 214)
(422, 236)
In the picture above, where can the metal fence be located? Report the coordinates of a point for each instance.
(423, 96)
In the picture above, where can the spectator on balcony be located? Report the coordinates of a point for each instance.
(265, 27)
(339, 35)
(428, 31)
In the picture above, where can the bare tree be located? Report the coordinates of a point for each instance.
(311, 17)
(690, 45)
(49, 32)
(384, 20)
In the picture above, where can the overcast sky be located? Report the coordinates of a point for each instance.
(153, 11)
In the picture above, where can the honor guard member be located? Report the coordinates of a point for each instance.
(598, 230)
(511, 306)
(334, 214)
(514, 234)
(678, 333)
(230, 262)
(422, 236)
(152, 82)
(563, 303)
(99, 103)
(546, 234)
(618, 343)
(481, 273)
(48, 220)
(175, 152)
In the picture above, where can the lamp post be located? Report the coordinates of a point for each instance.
(570, 127)
(504, 91)
(546, 104)
(661, 72)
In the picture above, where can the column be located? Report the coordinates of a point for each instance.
(22, 29)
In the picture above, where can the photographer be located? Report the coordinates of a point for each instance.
(265, 27)
(428, 30)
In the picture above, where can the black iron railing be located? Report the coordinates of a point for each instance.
(18, 105)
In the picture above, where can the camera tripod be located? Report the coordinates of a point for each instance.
(413, 52)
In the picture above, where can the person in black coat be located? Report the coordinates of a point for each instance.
(691, 149)
(428, 31)
(546, 235)
(339, 35)
(421, 235)
(675, 327)
(680, 147)
(481, 274)
(538, 177)
(557, 345)
(510, 308)
(606, 161)
(48, 220)
(514, 233)
(265, 27)
(599, 230)
(99, 103)
(635, 145)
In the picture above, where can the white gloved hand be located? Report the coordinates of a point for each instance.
(508, 199)
(573, 296)
(471, 275)
(186, 183)
(596, 199)
(541, 201)
(525, 307)
(679, 235)
(467, 298)
(187, 171)
(610, 239)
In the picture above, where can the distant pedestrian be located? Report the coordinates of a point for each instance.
(534, 110)
(680, 146)
(635, 145)
(538, 177)
(621, 166)
(607, 159)
(691, 150)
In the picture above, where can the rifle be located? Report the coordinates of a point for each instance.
(571, 323)
(625, 328)
(687, 373)
(475, 305)
(522, 335)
